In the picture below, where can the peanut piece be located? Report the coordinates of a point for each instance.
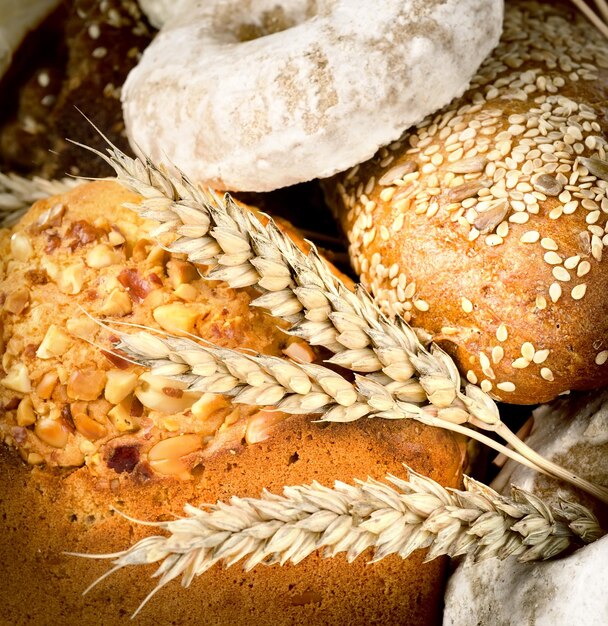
(17, 300)
(121, 417)
(208, 404)
(86, 384)
(115, 238)
(46, 385)
(25, 412)
(176, 318)
(21, 247)
(157, 256)
(119, 385)
(117, 303)
(175, 447)
(55, 343)
(17, 379)
(88, 427)
(52, 432)
(152, 393)
(102, 255)
(81, 327)
(181, 272)
(168, 456)
(186, 292)
(70, 279)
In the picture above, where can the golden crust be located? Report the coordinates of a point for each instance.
(485, 224)
(94, 461)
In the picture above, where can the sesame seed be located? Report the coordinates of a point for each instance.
(548, 244)
(555, 292)
(387, 194)
(43, 79)
(527, 351)
(99, 53)
(520, 363)
(547, 374)
(561, 273)
(579, 291)
(501, 333)
(94, 31)
(571, 262)
(421, 305)
(506, 385)
(583, 268)
(493, 240)
(540, 356)
(484, 361)
(486, 386)
(552, 258)
(497, 354)
(519, 218)
(471, 377)
(541, 302)
(531, 236)
(601, 357)
(467, 305)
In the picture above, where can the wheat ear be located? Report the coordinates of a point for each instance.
(301, 289)
(17, 194)
(393, 517)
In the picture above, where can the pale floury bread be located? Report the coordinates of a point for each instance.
(257, 95)
(486, 224)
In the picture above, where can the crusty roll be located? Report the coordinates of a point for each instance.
(486, 223)
(97, 432)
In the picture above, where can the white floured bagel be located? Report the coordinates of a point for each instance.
(259, 94)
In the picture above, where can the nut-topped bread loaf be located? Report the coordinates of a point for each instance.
(486, 224)
(99, 432)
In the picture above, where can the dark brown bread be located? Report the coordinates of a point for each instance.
(486, 224)
(75, 63)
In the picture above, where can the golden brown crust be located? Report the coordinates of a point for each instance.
(484, 227)
(59, 395)
(44, 515)
(67, 402)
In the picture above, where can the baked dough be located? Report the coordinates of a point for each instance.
(92, 428)
(486, 225)
(257, 95)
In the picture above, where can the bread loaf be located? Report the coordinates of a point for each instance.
(98, 432)
(74, 63)
(486, 224)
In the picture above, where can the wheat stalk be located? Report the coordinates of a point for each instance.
(301, 289)
(394, 517)
(294, 388)
(17, 194)
(599, 21)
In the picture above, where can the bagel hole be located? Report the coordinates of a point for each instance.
(270, 22)
(263, 21)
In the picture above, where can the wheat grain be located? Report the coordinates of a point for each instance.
(393, 517)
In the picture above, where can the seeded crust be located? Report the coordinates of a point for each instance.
(486, 223)
(87, 449)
